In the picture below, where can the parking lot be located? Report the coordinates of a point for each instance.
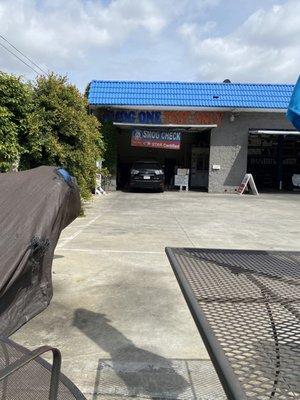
(117, 313)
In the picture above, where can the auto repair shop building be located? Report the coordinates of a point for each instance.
(219, 131)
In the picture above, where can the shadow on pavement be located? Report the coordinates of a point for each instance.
(144, 373)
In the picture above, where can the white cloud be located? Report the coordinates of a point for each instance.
(152, 39)
(277, 26)
(266, 47)
(60, 34)
(194, 31)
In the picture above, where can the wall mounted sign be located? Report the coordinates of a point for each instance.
(192, 117)
(156, 139)
(133, 116)
(150, 117)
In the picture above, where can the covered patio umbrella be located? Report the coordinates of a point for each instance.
(293, 112)
(35, 206)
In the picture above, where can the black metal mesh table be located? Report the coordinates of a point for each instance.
(24, 375)
(246, 305)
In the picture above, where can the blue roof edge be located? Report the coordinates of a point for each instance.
(190, 95)
(192, 82)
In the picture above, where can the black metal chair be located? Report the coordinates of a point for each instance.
(25, 375)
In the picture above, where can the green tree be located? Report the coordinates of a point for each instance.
(9, 146)
(47, 123)
(18, 130)
(109, 134)
(69, 136)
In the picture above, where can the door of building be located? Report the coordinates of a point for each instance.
(199, 167)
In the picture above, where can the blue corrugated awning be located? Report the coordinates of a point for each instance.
(190, 95)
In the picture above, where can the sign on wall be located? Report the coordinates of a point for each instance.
(133, 116)
(156, 117)
(156, 139)
(192, 117)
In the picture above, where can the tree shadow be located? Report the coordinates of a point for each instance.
(148, 374)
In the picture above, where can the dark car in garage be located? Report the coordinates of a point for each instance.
(147, 174)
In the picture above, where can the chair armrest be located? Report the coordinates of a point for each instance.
(32, 355)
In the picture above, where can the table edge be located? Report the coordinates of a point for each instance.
(228, 379)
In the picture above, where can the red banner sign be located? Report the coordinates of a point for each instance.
(156, 139)
(192, 117)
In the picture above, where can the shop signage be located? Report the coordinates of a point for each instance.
(192, 117)
(150, 117)
(182, 178)
(156, 139)
(133, 116)
(248, 179)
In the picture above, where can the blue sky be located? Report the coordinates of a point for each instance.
(185, 40)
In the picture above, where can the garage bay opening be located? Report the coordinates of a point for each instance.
(172, 148)
(274, 159)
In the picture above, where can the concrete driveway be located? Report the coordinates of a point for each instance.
(118, 315)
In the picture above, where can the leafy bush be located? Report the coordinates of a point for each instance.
(47, 123)
(109, 134)
(17, 128)
(69, 136)
(9, 146)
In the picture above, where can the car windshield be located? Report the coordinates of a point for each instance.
(146, 165)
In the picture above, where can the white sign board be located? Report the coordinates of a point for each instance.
(98, 180)
(296, 180)
(182, 171)
(98, 188)
(182, 180)
(248, 179)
